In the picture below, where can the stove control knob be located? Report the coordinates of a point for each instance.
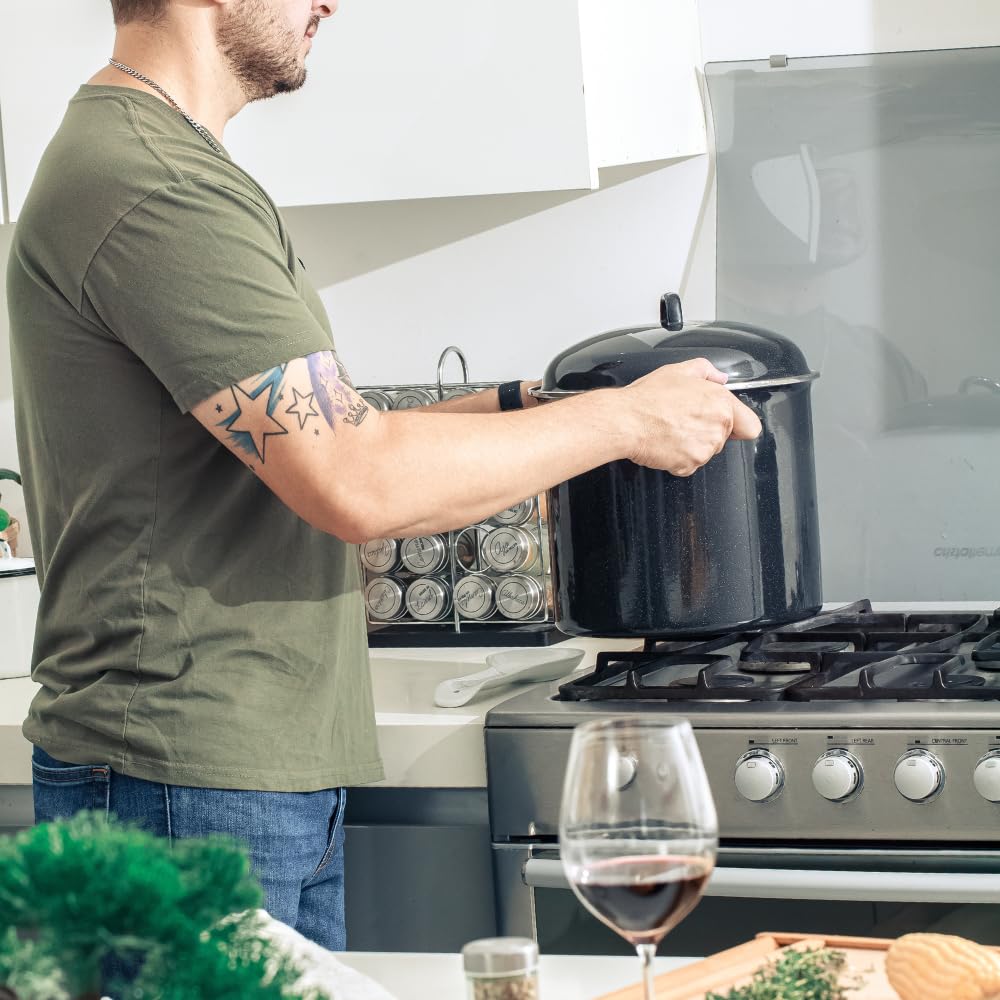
(919, 775)
(987, 776)
(837, 775)
(759, 775)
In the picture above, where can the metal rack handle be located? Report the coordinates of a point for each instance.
(457, 351)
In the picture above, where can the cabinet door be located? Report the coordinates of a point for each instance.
(46, 52)
(733, 31)
(420, 100)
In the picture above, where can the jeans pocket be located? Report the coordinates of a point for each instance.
(60, 790)
(335, 839)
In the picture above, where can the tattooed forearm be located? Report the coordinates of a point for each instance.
(284, 400)
(333, 391)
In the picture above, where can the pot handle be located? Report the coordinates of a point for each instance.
(671, 315)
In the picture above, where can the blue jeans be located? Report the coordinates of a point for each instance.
(296, 839)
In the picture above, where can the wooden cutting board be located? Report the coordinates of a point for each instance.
(865, 958)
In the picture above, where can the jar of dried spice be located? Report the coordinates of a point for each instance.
(501, 969)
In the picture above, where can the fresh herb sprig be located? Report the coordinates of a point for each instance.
(797, 975)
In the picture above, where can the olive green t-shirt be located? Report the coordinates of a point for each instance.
(191, 628)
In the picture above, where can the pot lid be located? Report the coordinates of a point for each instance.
(752, 357)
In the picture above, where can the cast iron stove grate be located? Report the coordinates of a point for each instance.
(850, 653)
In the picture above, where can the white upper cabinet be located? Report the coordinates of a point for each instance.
(735, 30)
(411, 100)
(468, 97)
(46, 52)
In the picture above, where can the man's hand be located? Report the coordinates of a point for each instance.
(684, 417)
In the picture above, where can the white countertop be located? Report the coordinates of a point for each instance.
(560, 977)
(423, 746)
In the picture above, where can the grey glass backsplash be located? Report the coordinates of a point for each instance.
(859, 214)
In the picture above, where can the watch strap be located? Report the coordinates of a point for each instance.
(509, 394)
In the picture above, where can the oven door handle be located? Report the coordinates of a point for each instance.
(792, 883)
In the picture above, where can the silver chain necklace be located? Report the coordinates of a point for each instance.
(200, 129)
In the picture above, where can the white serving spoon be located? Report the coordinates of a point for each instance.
(511, 666)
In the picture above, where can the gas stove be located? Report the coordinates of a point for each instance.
(858, 725)
(845, 655)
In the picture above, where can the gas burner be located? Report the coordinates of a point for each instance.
(851, 653)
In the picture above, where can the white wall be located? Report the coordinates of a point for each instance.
(510, 279)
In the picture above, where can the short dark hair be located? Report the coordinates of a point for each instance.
(126, 11)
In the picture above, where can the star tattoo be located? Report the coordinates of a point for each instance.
(253, 419)
(302, 407)
(218, 407)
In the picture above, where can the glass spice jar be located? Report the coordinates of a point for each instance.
(503, 968)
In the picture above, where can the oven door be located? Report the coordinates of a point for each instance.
(876, 892)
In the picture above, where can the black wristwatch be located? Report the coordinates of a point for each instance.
(509, 394)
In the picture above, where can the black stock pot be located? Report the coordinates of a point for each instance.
(637, 551)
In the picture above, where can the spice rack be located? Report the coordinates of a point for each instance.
(487, 584)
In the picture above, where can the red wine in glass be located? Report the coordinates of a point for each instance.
(638, 833)
(643, 897)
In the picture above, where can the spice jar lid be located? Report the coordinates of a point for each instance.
(384, 597)
(519, 597)
(504, 956)
(427, 599)
(410, 399)
(424, 554)
(517, 514)
(474, 596)
(380, 555)
(377, 398)
(509, 549)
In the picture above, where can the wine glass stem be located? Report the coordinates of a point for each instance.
(647, 952)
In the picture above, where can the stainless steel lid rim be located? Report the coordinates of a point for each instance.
(735, 386)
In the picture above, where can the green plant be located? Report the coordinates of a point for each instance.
(77, 893)
(4, 515)
(798, 975)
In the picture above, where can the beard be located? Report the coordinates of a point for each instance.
(261, 49)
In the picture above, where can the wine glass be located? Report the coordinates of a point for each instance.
(637, 831)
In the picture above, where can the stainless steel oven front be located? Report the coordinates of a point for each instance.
(879, 864)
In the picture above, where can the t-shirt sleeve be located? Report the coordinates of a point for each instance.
(198, 283)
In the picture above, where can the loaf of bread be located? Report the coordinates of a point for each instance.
(942, 967)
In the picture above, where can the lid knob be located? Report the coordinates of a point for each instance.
(671, 316)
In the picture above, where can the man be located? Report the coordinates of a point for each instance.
(198, 464)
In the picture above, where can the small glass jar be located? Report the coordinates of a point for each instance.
(511, 550)
(376, 398)
(410, 399)
(385, 599)
(457, 390)
(380, 555)
(520, 597)
(425, 554)
(474, 597)
(501, 969)
(428, 599)
(518, 514)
